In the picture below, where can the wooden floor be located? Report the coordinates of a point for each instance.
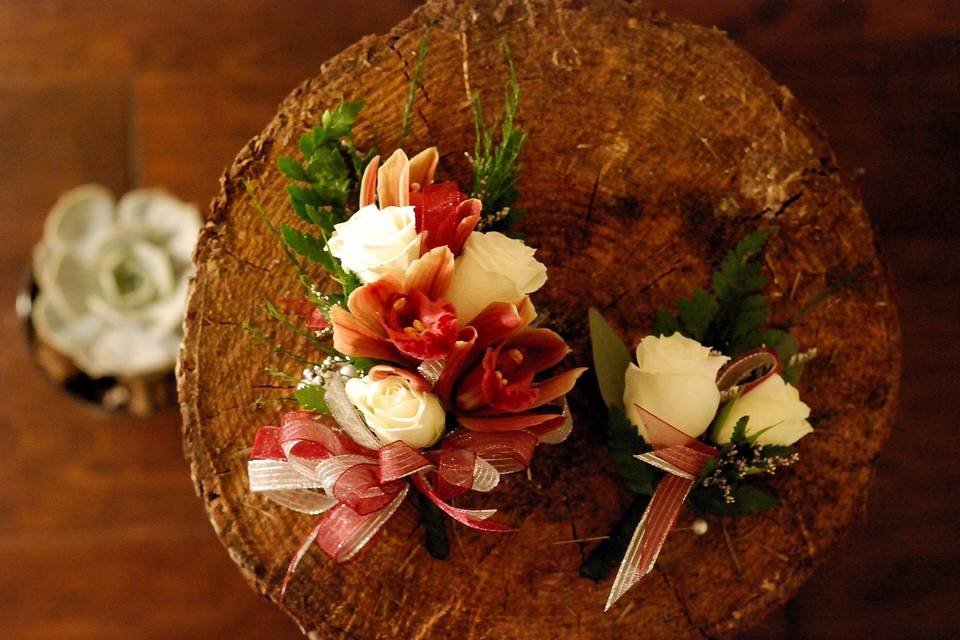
(100, 534)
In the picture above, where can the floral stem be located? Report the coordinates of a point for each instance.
(434, 524)
(608, 554)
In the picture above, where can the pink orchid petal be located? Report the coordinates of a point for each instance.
(393, 181)
(423, 166)
(557, 386)
(431, 273)
(368, 185)
(368, 302)
(541, 348)
(459, 358)
(500, 320)
(354, 338)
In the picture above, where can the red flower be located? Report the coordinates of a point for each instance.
(489, 379)
(396, 321)
(445, 216)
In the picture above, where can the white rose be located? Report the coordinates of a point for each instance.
(675, 379)
(395, 411)
(374, 243)
(772, 403)
(493, 268)
(113, 278)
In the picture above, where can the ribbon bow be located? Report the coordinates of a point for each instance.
(683, 458)
(334, 466)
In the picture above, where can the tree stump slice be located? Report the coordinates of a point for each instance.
(654, 145)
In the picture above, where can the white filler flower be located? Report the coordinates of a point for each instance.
(113, 279)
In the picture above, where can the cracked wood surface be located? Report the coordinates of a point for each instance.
(654, 145)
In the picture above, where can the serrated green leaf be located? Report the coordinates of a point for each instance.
(752, 315)
(306, 145)
(739, 435)
(312, 398)
(610, 359)
(738, 275)
(665, 324)
(308, 246)
(292, 169)
(696, 313)
(748, 501)
(338, 122)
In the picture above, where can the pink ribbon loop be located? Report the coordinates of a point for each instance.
(312, 465)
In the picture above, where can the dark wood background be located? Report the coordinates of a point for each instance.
(100, 534)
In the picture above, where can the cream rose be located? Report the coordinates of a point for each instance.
(774, 409)
(395, 411)
(374, 243)
(493, 268)
(675, 379)
(113, 279)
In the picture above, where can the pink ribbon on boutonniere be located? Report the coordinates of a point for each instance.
(683, 458)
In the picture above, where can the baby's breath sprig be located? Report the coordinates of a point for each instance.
(722, 487)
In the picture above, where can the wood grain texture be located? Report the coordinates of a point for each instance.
(654, 145)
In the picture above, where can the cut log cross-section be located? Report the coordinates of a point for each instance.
(654, 145)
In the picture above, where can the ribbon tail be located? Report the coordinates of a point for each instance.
(650, 534)
(473, 518)
(297, 557)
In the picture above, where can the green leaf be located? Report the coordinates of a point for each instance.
(665, 324)
(496, 161)
(739, 435)
(738, 274)
(696, 313)
(306, 144)
(308, 246)
(312, 398)
(625, 443)
(338, 122)
(748, 501)
(415, 78)
(292, 169)
(610, 359)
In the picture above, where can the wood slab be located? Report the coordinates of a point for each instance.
(655, 144)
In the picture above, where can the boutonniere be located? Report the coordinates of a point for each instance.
(706, 408)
